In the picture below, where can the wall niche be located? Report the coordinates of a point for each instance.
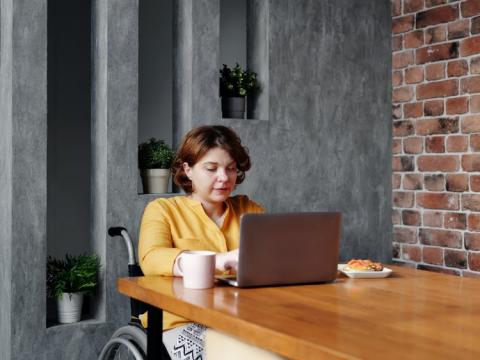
(244, 38)
(69, 133)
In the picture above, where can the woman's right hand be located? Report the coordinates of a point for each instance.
(227, 261)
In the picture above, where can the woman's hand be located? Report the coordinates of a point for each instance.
(227, 261)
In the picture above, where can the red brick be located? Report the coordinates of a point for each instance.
(470, 8)
(474, 261)
(403, 128)
(455, 221)
(397, 42)
(402, 163)
(436, 89)
(433, 219)
(413, 110)
(458, 105)
(435, 34)
(433, 255)
(402, 24)
(414, 39)
(470, 46)
(435, 182)
(402, 59)
(438, 201)
(435, 71)
(404, 235)
(397, 78)
(475, 65)
(470, 84)
(436, 126)
(396, 181)
(436, 53)
(402, 94)
(474, 222)
(411, 218)
(411, 253)
(396, 7)
(435, 144)
(457, 182)
(475, 142)
(457, 68)
(430, 3)
(396, 111)
(396, 217)
(456, 258)
(475, 103)
(475, 29)
(410, 6)
(445, 238)
(475, 183)
(413, 182)
(457, 143)
(471, 162)
(471, 202)
(458, 29)
(433, 108)
(403, 199)
(445, 163)
(438, 15)
(472, 241)
(471, 124)
(414, 75)
(397, 146)
(413, 145)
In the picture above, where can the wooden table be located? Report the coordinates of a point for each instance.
(413, 314)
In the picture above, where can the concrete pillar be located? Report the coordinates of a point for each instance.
(196, 53)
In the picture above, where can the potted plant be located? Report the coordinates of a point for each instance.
(154, 161)
(235, 85)
(68, 280)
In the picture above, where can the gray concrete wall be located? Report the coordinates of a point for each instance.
(326, 143)
(258, 40)
(23, 332)
(6, 162)
(28, 183)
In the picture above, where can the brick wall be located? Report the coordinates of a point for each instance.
(436, 134)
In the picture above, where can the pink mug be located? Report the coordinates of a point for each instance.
(197, 269)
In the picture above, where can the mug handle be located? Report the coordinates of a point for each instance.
(179, 266)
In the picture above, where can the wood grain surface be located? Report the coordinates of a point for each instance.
(413, 314)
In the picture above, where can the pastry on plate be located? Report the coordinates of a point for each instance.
(363, 265)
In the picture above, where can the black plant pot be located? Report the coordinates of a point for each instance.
(233, 107)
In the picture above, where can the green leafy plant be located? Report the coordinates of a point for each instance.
(155, 154)
(72, 274)
(237, 82)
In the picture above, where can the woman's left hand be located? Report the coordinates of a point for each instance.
(227, 261)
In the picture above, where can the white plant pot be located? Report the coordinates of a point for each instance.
(70, 308)
(155, 181)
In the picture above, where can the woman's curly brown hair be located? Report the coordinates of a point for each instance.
(198, 142)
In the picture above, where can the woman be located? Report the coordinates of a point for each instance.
(210, 162)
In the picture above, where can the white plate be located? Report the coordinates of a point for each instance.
(356, 274)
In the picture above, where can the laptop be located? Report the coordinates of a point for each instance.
(289, 248)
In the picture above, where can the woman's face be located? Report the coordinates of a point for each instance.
(213, 176)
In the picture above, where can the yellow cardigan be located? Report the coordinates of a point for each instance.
(172, 225)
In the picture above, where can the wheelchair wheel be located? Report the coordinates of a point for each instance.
(128, 342)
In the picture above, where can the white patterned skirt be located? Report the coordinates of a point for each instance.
(186, 342)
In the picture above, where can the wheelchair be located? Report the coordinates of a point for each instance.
(129, 341)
